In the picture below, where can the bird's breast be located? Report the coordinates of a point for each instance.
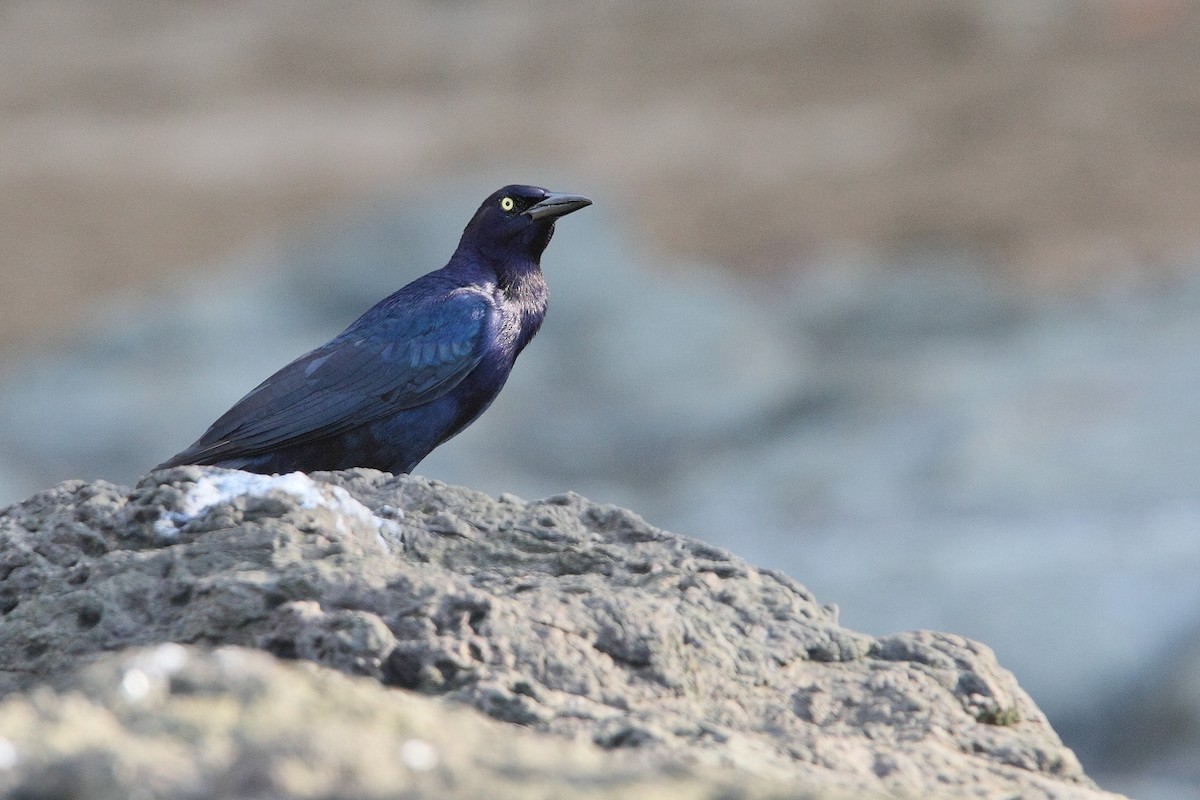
(522, 307)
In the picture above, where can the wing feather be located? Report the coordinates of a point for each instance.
(386, 361)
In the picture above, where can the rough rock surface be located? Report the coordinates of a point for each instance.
(560, 615)
(185, 723)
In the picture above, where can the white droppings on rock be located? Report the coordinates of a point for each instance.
(419, 755)
(168, 658)
(151, 671)
(9, 757)
(135, 685)
(166, 528)
(215, 488)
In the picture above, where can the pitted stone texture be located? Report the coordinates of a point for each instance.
(566, 616)
(185, 723)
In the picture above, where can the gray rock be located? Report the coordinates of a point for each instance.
(574, 619)
(183, 722)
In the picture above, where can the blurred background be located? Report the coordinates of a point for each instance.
(900, 297)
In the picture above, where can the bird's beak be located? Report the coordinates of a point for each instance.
(556, 205)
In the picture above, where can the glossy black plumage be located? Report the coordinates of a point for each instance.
(415, 369)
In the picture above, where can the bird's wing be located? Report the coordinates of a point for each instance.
(405, 359)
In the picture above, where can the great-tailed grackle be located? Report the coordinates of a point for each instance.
(415, 369)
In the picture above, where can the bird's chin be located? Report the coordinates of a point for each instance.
(542, 234)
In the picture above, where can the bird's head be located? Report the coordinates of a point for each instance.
(519, 219)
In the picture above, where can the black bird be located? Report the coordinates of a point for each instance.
(415, 369)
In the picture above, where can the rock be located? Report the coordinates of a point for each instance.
(578, 621)
(184, 722)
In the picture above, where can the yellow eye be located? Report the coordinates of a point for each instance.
(507, 204)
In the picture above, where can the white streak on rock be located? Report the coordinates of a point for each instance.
(215, 488)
